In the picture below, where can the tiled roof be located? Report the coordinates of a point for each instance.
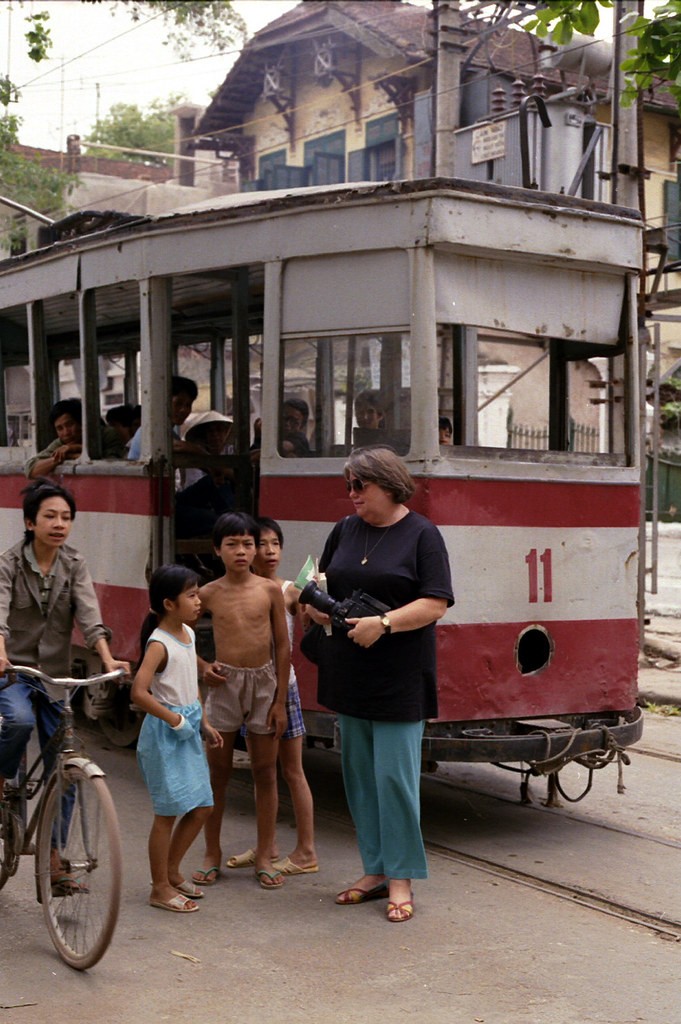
(94, 164)
(387, 27)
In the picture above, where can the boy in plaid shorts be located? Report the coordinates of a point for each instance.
(303, 859)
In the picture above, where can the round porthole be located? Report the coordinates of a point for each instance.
(533, 650)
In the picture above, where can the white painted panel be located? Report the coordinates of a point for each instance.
(594, 572)
(527, 297)
(347, 292)
(115, 546)
(56, 276)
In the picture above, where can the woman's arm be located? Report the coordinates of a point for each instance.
(414, 615)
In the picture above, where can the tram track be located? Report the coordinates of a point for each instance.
(574, 894)
(577, 895)
(659, 754)
(655, 922)
(574, 815)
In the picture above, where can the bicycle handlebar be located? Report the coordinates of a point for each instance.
(35, 673)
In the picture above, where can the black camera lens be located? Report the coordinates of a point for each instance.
(311, 594)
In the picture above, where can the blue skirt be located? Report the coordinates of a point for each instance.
(175, 771)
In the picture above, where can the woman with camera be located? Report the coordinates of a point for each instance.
(378, 673)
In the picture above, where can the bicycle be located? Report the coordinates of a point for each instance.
(76, 834)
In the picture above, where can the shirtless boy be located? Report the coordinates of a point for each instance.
(246, 686)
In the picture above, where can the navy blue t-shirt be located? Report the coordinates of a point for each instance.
(394, 680)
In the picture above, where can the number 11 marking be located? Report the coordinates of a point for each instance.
(547, 580)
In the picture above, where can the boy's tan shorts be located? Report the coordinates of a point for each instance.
(244, 698)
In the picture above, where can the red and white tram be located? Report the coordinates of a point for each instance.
(510, 312)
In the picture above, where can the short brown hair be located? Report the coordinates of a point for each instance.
(380, 464)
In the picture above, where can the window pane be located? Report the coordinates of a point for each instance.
(507, 391)
(345, 391)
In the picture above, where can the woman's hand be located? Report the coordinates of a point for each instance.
(366, 631)
(319, 617)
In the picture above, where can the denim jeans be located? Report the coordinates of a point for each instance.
(23, 705)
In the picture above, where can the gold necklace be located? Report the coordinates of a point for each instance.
(367, 553)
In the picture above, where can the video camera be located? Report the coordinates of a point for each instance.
(358, 606)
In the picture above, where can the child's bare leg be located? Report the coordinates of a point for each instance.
(184, 834)
(291, 760)
(220, 765)
(159, 849)
(264, 769)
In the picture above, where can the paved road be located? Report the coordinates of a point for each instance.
(481, 948)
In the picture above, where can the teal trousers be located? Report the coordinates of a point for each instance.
(382, 772)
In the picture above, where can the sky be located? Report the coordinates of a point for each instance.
(100, 57)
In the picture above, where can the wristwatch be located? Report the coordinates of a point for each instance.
(385, 622)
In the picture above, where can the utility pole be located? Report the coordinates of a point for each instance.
(625, 169)
(446, 83)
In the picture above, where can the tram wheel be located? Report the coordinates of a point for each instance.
(121, 723)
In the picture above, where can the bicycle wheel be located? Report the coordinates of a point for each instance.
(11, 843)
(79, 842)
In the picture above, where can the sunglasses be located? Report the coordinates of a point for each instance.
(355, 485)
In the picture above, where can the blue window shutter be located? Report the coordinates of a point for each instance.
(357, 165)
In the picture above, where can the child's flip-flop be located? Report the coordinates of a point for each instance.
(208, 877)
(272, 884)
(242, 860)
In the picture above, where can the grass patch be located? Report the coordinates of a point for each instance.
(668, 710)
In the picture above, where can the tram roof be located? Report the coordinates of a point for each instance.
(94, 225)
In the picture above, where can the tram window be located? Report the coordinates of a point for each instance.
(254, 401)
(528, 394)
(17, 403)
(357, 389)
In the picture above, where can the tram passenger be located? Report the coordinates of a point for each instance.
(295, 417)
(379, 677)
(445, 430)
(247, 684)
(303, 859)
(369, 411)
(44, 587)
(184, 393)
(207, 494)
(66, 416)
(124, 420)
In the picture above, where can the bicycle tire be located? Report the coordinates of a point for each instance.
(11, 841)
(82, 920)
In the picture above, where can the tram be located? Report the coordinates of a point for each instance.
(510, 312)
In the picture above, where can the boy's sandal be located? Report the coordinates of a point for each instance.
(67, 885)
(208, 877)
(289, 867)
(242, 860)
(261, 875)
(189, 889)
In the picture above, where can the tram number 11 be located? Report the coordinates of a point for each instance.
(532, 558)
